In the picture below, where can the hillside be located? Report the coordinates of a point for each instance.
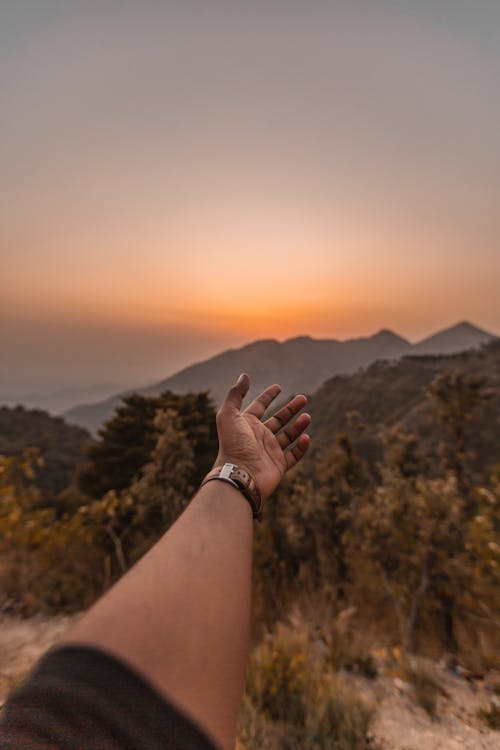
(300, 365)
(390, 395)
(61, 444)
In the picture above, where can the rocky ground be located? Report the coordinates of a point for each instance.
(400, 722)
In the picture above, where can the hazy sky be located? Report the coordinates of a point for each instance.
(178, 177)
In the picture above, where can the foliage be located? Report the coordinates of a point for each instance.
(397, 395)
(60, 446)
(294, 696)
(44, 560)
(63, 564)
(412, 553)
(458, 398)
(417, 552)
(125, 442)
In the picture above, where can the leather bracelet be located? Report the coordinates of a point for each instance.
(242, 481)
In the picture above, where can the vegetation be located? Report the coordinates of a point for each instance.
(125, 442)
(60, 446)
(294, 698)
(52, 563)
(389, 397)
(373, 542)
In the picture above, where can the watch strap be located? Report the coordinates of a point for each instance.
(242, 480)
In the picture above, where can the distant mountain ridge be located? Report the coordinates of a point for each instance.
(458, 338)
(300, 364)
(57, 402)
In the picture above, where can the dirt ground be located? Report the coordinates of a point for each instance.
(399, 724)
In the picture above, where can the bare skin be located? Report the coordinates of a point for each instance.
(181, 616)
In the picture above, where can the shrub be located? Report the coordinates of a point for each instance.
(295, 699)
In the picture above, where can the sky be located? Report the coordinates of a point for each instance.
(183, 177)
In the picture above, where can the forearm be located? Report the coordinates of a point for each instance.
(181, 616)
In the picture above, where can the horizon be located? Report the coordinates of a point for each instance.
(105, 389)
(184, 179)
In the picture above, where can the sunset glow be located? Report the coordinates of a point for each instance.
(179, 178)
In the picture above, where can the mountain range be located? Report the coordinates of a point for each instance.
(59, 401)
(300, 365)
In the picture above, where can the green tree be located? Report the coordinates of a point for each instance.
(125, 442)
(62, 563)
(127, 523)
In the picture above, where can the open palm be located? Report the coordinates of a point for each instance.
(265, 449)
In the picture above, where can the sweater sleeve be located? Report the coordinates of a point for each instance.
(79, 697)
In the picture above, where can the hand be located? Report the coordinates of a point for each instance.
(265, 449)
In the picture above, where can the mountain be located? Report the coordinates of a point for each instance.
(393, 395)
(455, 339)
(299, 364)
(61, 400)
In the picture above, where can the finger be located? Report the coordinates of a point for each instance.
(259, 405)
(284, 415)
(291, 432)
(236, 394)
(298, 451)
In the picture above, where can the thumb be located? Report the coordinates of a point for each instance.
(237, 393)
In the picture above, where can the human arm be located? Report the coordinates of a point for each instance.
(181, 616)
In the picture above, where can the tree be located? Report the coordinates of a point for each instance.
(129, 522)
(125, 442)
(343, 478)
(52, 563)
(458, 400)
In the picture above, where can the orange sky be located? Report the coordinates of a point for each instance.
(182, 178)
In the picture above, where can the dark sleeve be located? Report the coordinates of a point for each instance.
(80, 697)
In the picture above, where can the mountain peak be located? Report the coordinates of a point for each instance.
(385, 334)
(463, 335)
(300, 365)
(464, 326)
(299, 340)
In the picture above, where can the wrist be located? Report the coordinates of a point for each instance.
(241, 479)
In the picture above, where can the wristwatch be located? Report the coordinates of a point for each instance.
(243, 481)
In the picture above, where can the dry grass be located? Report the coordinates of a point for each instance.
(295, 699)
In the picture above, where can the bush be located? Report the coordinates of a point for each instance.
(295, 699)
